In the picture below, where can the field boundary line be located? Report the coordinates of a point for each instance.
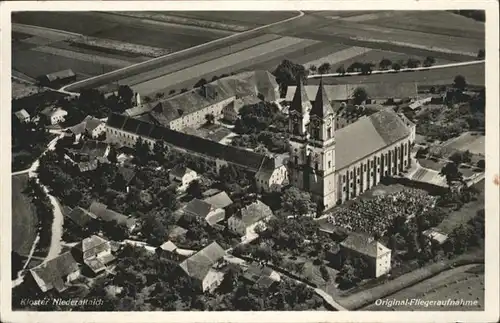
(392, 71)
(63, 89)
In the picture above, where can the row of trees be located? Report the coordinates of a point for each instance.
(367, 68)
(44, 212)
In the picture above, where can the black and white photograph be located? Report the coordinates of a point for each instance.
(303, 161)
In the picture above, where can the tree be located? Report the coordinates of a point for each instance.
(481, 164)
(159, 95)
(324, 272)
(200, 83)
(194, 189)
(183, 90)
(481, 54)
(287, 73)
(125, 94)
(459, 82)
(141, 150)
(354, 67)
(153, 228)
(171, 92)
(366, 68)
(451, 172)
(413, 63)
(159, 150)
(210, 118)
(313, 68)
(429, 61)
(360, 95)
(147, 99)
(340, 70)
(384, 63)
(297, 202)
(112, 155)
(346, 277)
(324, 68)
(396, 66)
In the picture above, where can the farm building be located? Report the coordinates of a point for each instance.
(246, 219)
(231, 111)
(377, 92)
(56, 273)
(102, 212)
(220, 200)
(202, 267)
(204, 210)
(272, 174)
(53, 115)
(22, 115)
(57, 79)
(375, 254)
(190, 108)
(183, 176)
(95, 253)
(261, 276)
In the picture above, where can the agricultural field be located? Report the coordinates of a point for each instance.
(24, 220)
(465, 282)
(21, 89)
(436, 22)
(238, 18)
(92, 43)
(474, 75)
(473, 142)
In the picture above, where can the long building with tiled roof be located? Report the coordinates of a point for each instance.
(125, 131)
(189, 109)
(335, 165)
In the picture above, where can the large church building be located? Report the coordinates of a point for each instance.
(338, 165)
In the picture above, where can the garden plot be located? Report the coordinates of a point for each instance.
(81, 56)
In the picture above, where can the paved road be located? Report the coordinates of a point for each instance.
(118, 74)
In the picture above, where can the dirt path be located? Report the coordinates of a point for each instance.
(57, 229)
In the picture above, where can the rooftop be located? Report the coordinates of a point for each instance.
(198, 265)
(254, 212)
(51, 274)
(168, 246)
(196, 144)
(198, 207)
(220, 200)
(22, 114)
(80, 216)
(60, 75)
(180, 171)
(94, 245)
(364, 244)
(52, 111)
(343, 92)
(368, 135)
(101, 211)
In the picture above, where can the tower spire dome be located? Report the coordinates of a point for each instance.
(321, 106)
(300, 102)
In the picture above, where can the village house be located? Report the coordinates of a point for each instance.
(56, 273)
(95, 252)
(272, 174)
(248, 218)
(102, 213)
(90, 126)
(183, 176)
(168, 250)
(261, 277)
(53, 115)
(219, 201)
(376, 255)
(204, 267)
(203, 210)
(82, 218)
(23, 116)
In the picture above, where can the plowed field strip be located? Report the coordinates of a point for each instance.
(83, 57)
(246, 58)
(340, 56)
(189, 62)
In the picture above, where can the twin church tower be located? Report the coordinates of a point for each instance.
(312, 145)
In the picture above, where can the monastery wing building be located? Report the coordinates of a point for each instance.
(337, 165)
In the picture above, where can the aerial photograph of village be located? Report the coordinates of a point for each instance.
(236, 161)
